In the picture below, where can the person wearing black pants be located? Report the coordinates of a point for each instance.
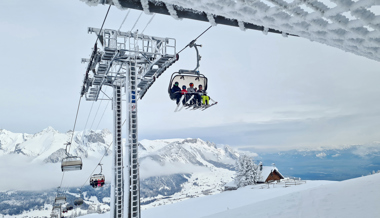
(176, 92)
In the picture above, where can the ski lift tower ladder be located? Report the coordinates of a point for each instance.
(129, 62)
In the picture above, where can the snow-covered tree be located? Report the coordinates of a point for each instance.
(247, 172)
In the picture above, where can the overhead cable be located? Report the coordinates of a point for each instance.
(129, 10)
(137, 21)
(148, 23)
(194, 39)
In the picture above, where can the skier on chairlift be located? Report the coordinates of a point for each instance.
(101, 182)
(176, 92)
(184, 93)
(203, 95)
(192, 91)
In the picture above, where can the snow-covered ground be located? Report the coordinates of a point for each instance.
(357, 197)
(198, 185)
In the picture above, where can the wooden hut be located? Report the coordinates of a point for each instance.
(268, 174)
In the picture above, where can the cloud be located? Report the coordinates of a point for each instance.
(321, 155)
(149, 168)
(284, 134)
(366, 150)
(21, 173)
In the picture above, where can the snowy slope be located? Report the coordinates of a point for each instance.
(351, 198)
(205, 166)
(324, 199)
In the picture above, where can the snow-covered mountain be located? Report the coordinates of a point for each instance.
(49, 144)
(171, 170)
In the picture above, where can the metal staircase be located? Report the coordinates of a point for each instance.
(131, 63)
(118, 197)
(134, 182)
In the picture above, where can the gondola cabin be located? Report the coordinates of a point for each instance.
(60, 199)
(71, 163)
(184, 78)
(78, 201)
(97, 180)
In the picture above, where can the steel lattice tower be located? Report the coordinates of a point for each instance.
(129, 63)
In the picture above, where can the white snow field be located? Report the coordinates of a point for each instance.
(357, 197)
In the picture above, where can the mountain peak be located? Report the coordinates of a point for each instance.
(49, 129)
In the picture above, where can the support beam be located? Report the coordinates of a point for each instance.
(117, 189)
(134, 175)
(160, 8)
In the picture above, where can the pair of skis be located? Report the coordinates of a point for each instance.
(195, 107)
(179, 106)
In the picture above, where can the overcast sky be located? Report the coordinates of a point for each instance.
(273, 92)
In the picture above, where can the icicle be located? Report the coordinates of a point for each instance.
(145, 5)
(118, 5)
(91, 2)
(172, 11)
(241, 25)
(211, 19)
(265, 31)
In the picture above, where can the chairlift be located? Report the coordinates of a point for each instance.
(186, 77)
(60, 199)
(56, 207)
(78, 201)
(98, 180)
(69, 207)
(71, 163)
(54, 215)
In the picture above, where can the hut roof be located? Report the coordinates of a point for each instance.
(266, 171)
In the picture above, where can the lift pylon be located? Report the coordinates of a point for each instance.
(129, 63)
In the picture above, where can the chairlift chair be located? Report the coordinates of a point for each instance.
(185, 77)
(60, 199)
(56, 207)
(97, 178)
(71, 163)
(54, 215)
(78, 201)
(69, 207)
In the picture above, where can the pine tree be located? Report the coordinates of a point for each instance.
(246, 171)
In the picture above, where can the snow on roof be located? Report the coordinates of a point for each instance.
(230, 184)
(267, 170)
(352, 26)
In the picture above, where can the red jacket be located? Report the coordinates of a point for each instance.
(184, 91)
